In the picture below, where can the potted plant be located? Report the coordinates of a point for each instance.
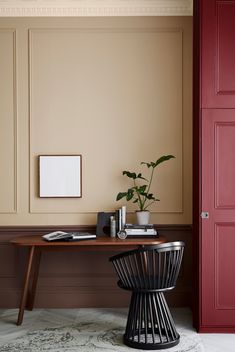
(140, 193)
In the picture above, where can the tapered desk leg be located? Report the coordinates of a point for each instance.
(26, 286)
(32, 292)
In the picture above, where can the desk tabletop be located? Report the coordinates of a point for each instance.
(104, 241)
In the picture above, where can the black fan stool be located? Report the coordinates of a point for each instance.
(148, 272)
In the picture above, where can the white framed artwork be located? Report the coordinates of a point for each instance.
(60, 176)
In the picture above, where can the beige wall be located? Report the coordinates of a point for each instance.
(116, 90)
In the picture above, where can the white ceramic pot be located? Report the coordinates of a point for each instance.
(142, 217)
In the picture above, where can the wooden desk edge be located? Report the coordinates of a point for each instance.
(105, 241)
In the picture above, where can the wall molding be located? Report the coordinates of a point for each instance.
(95, 8)
(36, 229)
(15, 118)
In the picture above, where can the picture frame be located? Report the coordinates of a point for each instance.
(60, 176)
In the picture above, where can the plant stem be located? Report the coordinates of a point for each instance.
(150, 181)
(151, 178)
(141, 204)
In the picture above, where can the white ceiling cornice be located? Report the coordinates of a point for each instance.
(19, 8)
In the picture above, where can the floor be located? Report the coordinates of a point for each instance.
(88, 330)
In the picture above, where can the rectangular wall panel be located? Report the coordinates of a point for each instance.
(128, 101)
(8, 121)
(8, 260)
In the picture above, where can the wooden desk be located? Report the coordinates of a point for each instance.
(37, 245)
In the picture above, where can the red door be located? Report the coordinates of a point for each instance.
(217, 166)
(218, 231)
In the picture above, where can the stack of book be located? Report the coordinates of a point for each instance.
(132, 230)
(140, 230)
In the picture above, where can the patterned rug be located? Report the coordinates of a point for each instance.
(86, 331)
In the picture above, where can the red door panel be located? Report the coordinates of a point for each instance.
(218, 231)
(224, 266)
(224, 163)
(218, 54)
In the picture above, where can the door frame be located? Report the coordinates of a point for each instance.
(197, 168)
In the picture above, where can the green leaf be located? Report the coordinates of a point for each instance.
(121, 195)
(130, 174)
(159, 161)
(163, 159)
(142, 189)
(130, 194)
(150, 196)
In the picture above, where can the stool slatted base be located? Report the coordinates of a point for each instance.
(150, 324)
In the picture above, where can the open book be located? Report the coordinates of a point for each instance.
(68, 236)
